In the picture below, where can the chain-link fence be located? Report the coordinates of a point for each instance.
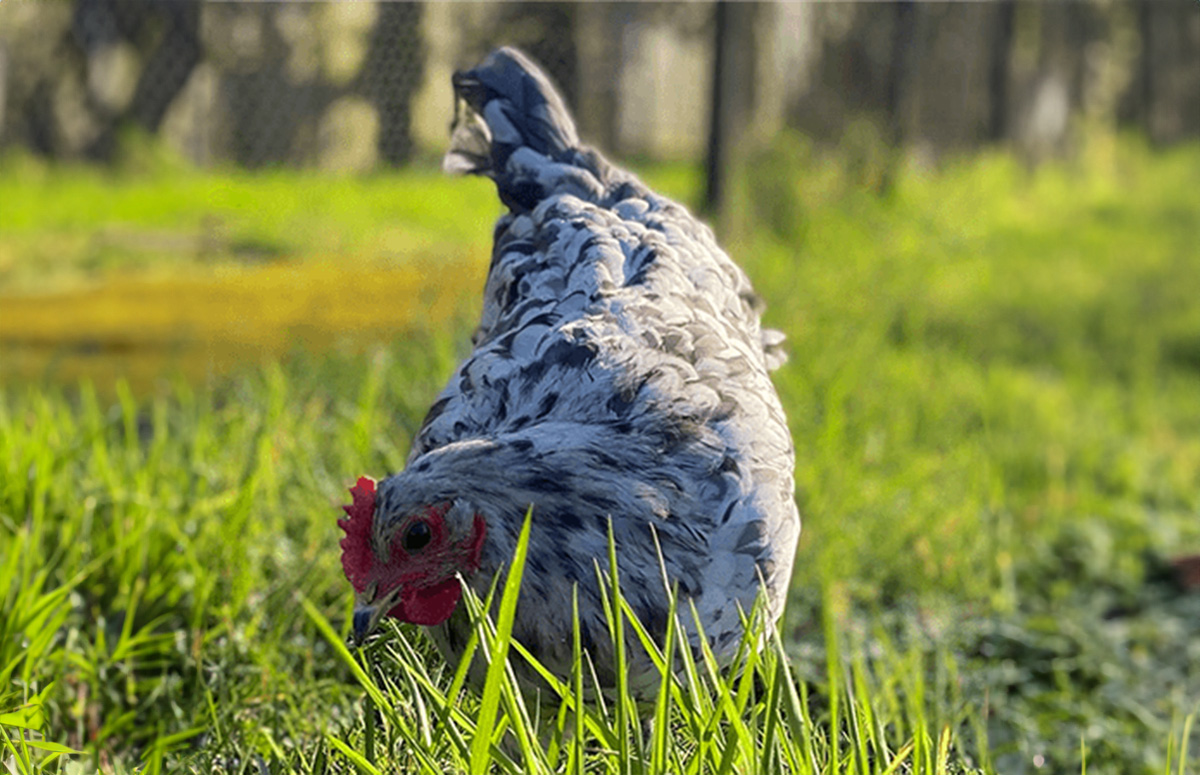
(338, 85)
(358, 85)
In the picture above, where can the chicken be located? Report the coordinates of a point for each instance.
(620, 374)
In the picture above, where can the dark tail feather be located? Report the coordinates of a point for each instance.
(504, 104)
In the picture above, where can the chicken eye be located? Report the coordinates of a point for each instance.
(417, 536)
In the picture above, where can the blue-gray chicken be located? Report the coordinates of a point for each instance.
(619, 373)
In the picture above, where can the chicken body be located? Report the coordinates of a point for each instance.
(619, 374)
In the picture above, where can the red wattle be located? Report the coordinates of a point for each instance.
(428, 606)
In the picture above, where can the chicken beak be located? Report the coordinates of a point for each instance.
(366, 619)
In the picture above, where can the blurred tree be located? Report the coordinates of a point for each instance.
(899, 67)
(1054, 89)
(733, 89)
(899, 76)
(747, 103)
(999, 71)
(160, 42)
(256, 83)
(170, 62)
(390, 74)
(598, 46)
(1171, 70)
(853, 72)
(1136, 102)
(546, 32)
(259, 132)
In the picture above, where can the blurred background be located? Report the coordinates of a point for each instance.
(362, 88)
(356, 86)
(233, 276)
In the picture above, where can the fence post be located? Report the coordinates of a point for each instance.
(999, 72)
(732, 103)
(3, 88)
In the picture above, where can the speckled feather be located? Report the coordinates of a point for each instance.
(619, 372)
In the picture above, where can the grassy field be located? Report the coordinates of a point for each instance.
(992, 387)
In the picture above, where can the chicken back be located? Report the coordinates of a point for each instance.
(619, 375)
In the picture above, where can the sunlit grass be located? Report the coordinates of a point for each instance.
(68, 224)
(992, 390)
(752, 716)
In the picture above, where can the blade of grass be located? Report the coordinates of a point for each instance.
(364, 680)
(1184, 738)
(943, 753)
(899, 759)
(611, 598)
(725, 696)
(662, 704)
(357, 759)
(490, 700)
(577, 681)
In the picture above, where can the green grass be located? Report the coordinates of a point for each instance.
(992, 389)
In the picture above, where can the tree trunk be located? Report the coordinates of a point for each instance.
(170, 65)
(390, 75)
(999, 74)
(899, 68)
(732, 101)
(598, 50)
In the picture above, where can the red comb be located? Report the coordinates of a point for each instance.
(356, 546)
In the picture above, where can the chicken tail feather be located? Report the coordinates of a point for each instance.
(504, 104)
(512, 126)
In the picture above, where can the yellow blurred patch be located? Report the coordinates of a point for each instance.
(141, 329)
